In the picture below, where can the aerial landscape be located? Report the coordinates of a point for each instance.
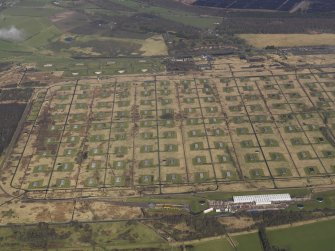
(177, 125)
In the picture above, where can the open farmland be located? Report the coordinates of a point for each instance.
(96, 29)
(289, 40)
(318, 235)
(270, 128)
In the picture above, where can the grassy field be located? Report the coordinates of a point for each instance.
(154, 46)
(214, 245)
(311, 237)
(83, 236)
(130, 235)
(248, 242)
(43, 41)
(288, 40)
(179, 16)
(87, 67)
(328, 201)
(45, 26)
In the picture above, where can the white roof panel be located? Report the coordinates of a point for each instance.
(262, 198)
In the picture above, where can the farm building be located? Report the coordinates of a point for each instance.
(263, 199)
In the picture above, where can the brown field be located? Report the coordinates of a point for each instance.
(154, 46)
(288, 40)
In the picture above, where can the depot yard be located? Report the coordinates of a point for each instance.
(169, 133)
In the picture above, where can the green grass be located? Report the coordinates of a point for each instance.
(174, 178)
(276, 156)
(214, 245)
(283, 172)
(118, 181)
(131, 235)
(313, 204)
(172, 162)
(223, 158)
(119, 164)
(42, 41)
(232, 176)
(256, 173)
(197, 146)
(37, 184)
(146, 179)
(247, 143)
(63, 183)
(111, 236)
(199, 160)
(297, 141)
(41, 169)
(248, 242)
(304, 155)
(178, 16)
(36, 47)
(201, 177)
(310, 237)
(62, 62)
(96, 151)
(242, 130)
(91, 182)
(311, 170)
(252, 157)
(38, 32)
(266, 130)
(64, 167)
(271, 142)
(97, 138)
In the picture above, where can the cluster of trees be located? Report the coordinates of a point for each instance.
(199, 226)
(205, 43)
(4, 66)
(167, 116)
(326, 132)
(271, 25)
(180, 66)
(10, 115)
(16, 94)
(279, 217)
(33, 83)
(38, 236)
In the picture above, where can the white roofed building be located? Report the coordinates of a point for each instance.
(263, 199)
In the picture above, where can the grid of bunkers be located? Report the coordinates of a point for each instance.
(178, 131)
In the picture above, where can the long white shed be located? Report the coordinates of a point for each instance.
(262, 199)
